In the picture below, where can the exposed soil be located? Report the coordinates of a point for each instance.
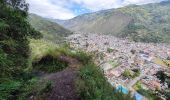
(64, 81)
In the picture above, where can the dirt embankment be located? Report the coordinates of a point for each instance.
(63, 82)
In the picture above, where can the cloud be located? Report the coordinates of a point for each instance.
(95, 5)
(46, 8)
(66, 9)
(139, 2)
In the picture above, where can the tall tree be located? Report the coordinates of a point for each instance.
(14, 33)
(17, 4)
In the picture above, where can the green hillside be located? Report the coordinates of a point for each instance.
(50, 30)
(146, 23)
(151, 23)
(28, 62)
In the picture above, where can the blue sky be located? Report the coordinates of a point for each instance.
(66, 9)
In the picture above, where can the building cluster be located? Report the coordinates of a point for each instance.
(116, 55)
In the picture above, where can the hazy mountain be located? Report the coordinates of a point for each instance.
(50, 30)
(146, 23)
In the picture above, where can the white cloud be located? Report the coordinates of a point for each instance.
(62, 9)
(126, 2)
(96, 5)
(46, 8)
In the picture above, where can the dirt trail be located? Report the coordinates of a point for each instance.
(64, 81)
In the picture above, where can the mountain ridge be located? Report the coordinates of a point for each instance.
(50, 30)
(141, 23)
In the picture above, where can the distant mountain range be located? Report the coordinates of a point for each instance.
(145, 23)
(50, 30)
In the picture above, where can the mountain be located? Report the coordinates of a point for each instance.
(98, 22)
(50, 30)
(145, 23)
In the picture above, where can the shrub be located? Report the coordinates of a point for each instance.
(9, 88)
(50, 64)
(109, 50)
(161, 75)
(83, 57)
(14, 49)
(14, 31)
(147, 93)
(129, 74)
(92, 85)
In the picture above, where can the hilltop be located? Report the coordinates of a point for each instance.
(146, 23)
(50, 30)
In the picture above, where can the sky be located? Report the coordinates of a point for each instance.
(67, 9)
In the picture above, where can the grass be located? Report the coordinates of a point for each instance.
(45, 55)
(127, 73)
(110, 50)
(28, 84)
(22, 89)
(114, 63)
(161, 62)
(39, 48)
(147, 93)
(9, 87)
(51, 31)
(167, 62)
(50, 64)
(92, 85)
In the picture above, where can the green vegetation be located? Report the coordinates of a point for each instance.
(162, 62)
(114, 63)
(20, 56)
(127, 73)
(167, 62)
(161, 75)
(140, 23)
(92, 85)
(44, 56)
(166, 93)
(50, 64)
(110, 50)
(147, 93)
(22, 89)
(164, 79)
(50, 30)
(15, 80)
(13, 38)
(150, 22)
(131, 74)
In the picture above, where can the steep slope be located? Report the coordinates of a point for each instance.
(106, 21)
(146, 23)
(50, 30)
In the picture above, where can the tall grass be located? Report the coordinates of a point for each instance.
(92, 85)
(29, 84)
(45, 55)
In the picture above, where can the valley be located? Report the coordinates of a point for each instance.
(130, 45)
(125, 63)
(140, 23)
(115, 53)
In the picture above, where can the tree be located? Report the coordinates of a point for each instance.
(161, 75)
(14, 33)
(17, 4)
(168, 58)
